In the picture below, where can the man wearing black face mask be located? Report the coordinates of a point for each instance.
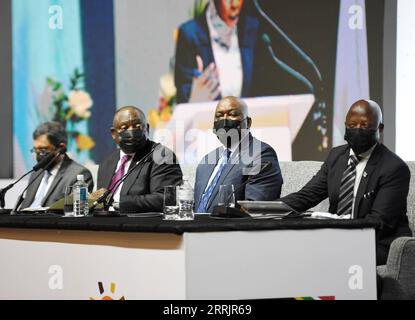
(49, 185)
(242, 159)
(143, 190)
(363, 179)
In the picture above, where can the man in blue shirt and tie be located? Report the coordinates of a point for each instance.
(243, 161)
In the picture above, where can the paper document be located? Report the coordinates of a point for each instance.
(327, 215)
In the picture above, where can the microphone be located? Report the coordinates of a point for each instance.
(224, 211)
(290, 42)
(4, 191)
(42, 163)
(320, 116)
(41, 166)
(266, 39)
(107, 193)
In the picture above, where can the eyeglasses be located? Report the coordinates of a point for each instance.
(40, 150)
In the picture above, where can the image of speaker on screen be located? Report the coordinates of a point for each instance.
(214, 53)
(228, 50)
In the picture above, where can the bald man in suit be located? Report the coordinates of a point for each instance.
(363, 179)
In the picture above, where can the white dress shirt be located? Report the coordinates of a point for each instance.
(226, 52)
(43, 189)
(360, 169)
(127, 167)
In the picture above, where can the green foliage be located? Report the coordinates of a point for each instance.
(198, 8)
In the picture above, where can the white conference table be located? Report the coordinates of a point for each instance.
(138, 258)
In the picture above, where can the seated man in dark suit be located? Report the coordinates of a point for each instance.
(241, 159)
(143, 190)
(49, 185)
(363, 180)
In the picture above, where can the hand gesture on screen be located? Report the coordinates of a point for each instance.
(205, 85)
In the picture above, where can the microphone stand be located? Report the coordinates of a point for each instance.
(225, 211)
(4, 191)
(285, 66)
(290, 42)
(36, 168)
(42, 169)
(103, 198)
(320, 116)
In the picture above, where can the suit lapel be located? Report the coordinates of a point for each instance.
(208, 170)
(60, 174)
(228, 168)
(367, 173)
(203, 37)
(236, 158)
(247, 37)
(338, 175)
(109, 169)
(129, 182)
(31, 192)
(207, 175)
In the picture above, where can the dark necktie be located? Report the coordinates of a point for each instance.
(115, 182)
(346, 195)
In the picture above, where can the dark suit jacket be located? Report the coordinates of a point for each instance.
(194, 39)
(143, 190)
(381, 196)
(266, 185)
(66, 176)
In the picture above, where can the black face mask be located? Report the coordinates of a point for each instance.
(361, 140)
(42, 155)
(228, 131)
(132, 141)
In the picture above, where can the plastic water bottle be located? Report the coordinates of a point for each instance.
(80, 197)
(185, 199)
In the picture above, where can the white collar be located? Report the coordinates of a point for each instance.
(122, 154)
(56, 168)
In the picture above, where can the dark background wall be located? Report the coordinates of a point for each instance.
(6, 130)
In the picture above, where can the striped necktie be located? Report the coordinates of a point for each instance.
(347, 188)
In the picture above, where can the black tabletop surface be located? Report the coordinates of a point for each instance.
(202, 223)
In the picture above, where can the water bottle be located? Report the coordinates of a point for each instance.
(185, 200)
(80, 197)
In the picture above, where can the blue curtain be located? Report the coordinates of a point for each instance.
(99, 64)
